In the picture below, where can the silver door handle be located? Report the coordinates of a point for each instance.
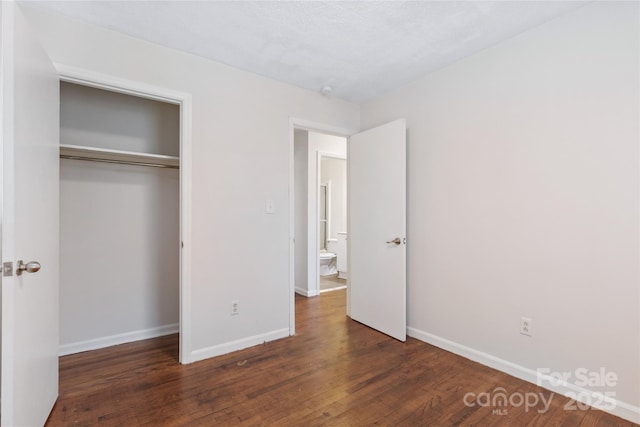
(30, 267)
(397, 241)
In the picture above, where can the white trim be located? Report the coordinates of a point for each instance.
(292, 234)
(184, 100)
(337, 288)
(312, 126)
(305, 292)
(621, 409)
(218, 350)
(96, 343)
(185, 228)
(327, 207)
(296, 123)
(90, 78)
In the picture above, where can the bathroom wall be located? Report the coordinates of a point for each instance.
(334, 170)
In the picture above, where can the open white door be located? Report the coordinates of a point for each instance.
(377, 174)
(30, 197)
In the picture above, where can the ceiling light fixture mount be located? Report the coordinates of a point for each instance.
(326, 91)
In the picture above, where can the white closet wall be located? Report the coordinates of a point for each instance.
(104, 119)
(119, 244)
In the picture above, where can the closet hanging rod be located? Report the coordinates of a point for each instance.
(118, 162)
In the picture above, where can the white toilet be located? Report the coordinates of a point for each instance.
(328, 263)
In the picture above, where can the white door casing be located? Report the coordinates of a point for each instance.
(111, 83)
(303, 124)
(30, 197)
(377, 215)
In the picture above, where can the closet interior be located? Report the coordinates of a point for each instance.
(119, 218)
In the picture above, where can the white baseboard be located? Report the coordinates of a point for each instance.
(218, 350)
(306, 293)
(620, 409)
(96, 343)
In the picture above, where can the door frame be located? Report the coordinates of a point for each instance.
(89, 78)
(308, 125)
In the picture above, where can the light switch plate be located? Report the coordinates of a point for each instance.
(270, 207)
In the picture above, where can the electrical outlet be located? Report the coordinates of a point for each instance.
(526, 326)
(235, 307)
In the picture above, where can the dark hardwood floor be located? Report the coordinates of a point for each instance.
(334, 372)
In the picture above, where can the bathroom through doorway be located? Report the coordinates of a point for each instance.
(320, 212)
(332, 221)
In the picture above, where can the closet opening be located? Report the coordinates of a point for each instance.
(122, 195)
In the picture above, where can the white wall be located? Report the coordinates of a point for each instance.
(119, 252)
(523, 189)
(240, 159)
(523, 199)
(300, 160)
(318, 142)
(100, 118)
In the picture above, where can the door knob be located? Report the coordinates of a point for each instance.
(397, 241)
(30, 267)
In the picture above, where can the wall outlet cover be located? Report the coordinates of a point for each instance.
(526, 325)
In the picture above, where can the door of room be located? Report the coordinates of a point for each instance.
(377, 228)
(30, 122)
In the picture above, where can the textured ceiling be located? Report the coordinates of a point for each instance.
(360, 49)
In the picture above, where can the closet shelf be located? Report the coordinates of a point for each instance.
(80, 152)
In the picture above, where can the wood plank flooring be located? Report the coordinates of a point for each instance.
(334, 372)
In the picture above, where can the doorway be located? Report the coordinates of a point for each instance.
(376, 267)
(320, 170)
(306, 235)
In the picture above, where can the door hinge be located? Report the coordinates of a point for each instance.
(7, 269)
